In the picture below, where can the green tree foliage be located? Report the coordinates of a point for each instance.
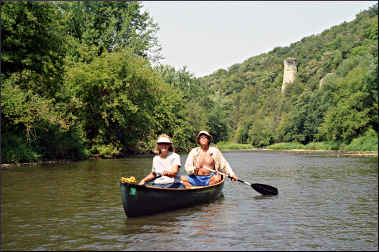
(262, 132)
(302, 124)
(123, 105)
(217, 124)
(114, 97)
(33, 129)
(32, 45)
(41, 113)
(367, 142)
(183, 81)
(354, 108)
(109, 26)
(78, 81)
(192, 107)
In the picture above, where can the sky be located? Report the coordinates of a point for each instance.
(206, 36)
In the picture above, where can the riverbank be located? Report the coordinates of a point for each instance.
(7, 165)
(362, 150)
(333, 152)
(338, 153)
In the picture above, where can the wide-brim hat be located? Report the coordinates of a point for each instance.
(164, 140)
(203, 132)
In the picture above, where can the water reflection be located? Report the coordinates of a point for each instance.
(170, 221)
(265, 197)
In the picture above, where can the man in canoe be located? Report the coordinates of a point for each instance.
(201, 160)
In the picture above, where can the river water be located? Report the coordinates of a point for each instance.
(325, 202)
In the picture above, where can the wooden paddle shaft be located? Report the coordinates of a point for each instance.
(247, 183)
(261, 188)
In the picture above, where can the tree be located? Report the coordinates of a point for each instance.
(33, 128)
(217, 124)
(109, 26)
(32, 45)
(114, 97)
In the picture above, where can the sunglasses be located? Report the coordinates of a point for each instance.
(203, 136)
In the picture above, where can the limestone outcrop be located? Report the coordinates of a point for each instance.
(289, 75)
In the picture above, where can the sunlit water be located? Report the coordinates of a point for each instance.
(325, 202)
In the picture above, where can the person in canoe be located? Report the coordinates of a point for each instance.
(166, 164)
(201, 159)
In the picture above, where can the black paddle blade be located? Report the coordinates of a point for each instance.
(265, 189)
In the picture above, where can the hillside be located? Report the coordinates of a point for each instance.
(343, 59)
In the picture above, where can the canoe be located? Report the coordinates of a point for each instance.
(139, 200)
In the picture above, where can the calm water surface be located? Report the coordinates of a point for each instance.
(325, 202)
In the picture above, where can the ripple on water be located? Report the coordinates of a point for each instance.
(324, 203)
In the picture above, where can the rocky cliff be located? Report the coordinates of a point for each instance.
(289, 74)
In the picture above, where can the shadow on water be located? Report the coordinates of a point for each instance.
(265, 197)
(181, 212)
(174, 229)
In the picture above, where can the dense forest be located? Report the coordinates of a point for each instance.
(83, 79)
(333, 99)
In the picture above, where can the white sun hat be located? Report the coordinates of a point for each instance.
(203, 132)
(163, 140)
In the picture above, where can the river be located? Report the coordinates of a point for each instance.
(325, 202)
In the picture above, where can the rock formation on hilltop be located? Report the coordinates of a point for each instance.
(289, 74)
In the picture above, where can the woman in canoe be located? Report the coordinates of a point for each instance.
(166, 164)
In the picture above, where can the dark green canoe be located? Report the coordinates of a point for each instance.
(140, 200)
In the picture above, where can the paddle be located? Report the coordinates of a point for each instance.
(157, 175)
(261, 188)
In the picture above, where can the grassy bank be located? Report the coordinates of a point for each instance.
(367, 142)
(233, 146)
(299, 146)
(359, 145)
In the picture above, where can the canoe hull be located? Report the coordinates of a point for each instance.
(145, 200)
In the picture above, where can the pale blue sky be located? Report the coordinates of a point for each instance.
(208, 35)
